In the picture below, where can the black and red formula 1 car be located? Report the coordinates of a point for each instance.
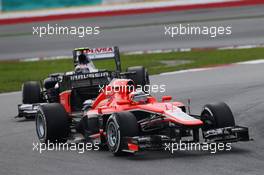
(129, 120)
(81, 84)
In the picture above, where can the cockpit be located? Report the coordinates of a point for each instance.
(84, 64)
(139, 96)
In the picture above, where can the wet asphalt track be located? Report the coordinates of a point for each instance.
(241, 86)
(137, 32)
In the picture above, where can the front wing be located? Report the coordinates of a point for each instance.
(220, 135)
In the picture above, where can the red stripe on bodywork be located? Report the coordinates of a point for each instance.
(132, 147)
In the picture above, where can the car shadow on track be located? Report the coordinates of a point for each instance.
(21, 120)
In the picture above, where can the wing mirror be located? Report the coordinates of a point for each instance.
(166, 98)
(87, 104)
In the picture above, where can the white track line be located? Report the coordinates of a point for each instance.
(10, 93)
(188, 70)
(261, 61)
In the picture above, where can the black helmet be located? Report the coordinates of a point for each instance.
(82, 58)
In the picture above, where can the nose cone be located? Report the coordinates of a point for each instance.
(178, 116)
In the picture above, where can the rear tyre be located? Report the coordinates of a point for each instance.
(31, 92)
(119, 126)
(141, 77)
(217, 115)
(52, 123)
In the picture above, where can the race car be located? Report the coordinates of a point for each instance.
(79, 85)
(127, 120)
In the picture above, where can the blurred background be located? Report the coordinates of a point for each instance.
(133, 25)
(23, 5)
(15, 5)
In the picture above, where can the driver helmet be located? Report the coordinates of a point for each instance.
(83, 59)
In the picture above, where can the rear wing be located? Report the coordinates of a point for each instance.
(99, 54)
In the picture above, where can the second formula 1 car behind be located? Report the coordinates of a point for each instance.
(79, 85)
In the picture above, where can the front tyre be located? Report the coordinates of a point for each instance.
(119, 126)
(31, 92)
(52, 123)
(217, 115)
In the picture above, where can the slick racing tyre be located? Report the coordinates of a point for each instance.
(49, 83)
(217, 115)
(52, 123)
(31, 92)
(119, 126)
(141, 77)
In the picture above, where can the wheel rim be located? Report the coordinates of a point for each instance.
(208, 120)
(112, 134)
(40, 126)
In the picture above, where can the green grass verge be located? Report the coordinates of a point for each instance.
(14, 73)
